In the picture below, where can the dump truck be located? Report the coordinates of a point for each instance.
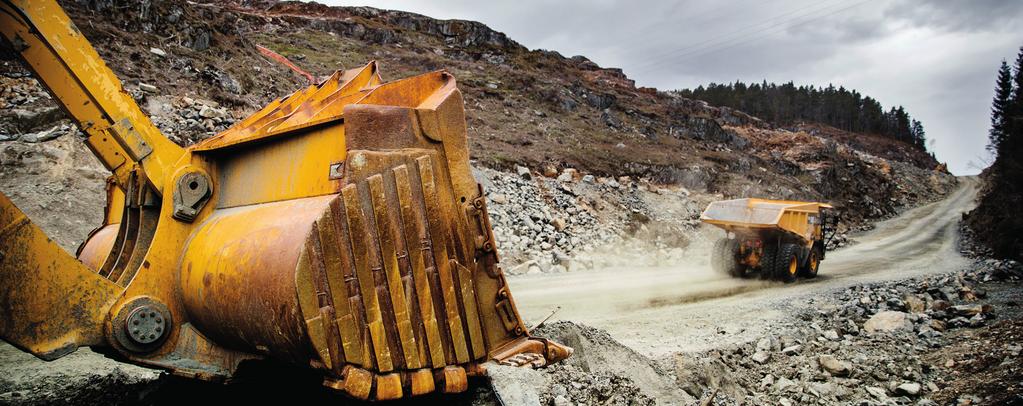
(339, 228)
(778, 239)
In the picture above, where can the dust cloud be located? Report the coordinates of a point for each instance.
(630, 276)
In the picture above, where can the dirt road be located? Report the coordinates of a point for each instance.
(656, 311)
(648, 309)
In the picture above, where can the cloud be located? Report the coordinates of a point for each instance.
(950, 15)
(935, 57)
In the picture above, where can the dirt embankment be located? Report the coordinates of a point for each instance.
(613, 175)
(842, 338)
(536, 109)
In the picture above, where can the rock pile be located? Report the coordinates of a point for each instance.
(189, 120)
(30, 115)
(557, 222)
(603, 371)
(868, 345)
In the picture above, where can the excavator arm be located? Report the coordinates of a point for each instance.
(339, 228)
(117, 132)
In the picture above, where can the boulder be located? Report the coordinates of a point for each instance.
(877, 392)
(568, 175)
(967, 310)
(834, 366)
(499, 198)
(888, 321)
(523, 172)
(908, 388)
(914, 304)
(940, 305)
(45, 135)
(514, 385)
(783, 383)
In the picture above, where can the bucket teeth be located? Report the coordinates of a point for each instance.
(392, 247)
(338, 228)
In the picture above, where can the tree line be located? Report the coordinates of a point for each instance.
(1007, 113)
(995, 220)
(788, 104)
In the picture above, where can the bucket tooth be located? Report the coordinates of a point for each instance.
(339, 228)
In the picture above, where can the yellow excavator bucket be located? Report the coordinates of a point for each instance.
(338, 228)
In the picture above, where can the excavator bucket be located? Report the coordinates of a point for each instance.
(338, 228)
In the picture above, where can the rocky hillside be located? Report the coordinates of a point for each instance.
(638, 160)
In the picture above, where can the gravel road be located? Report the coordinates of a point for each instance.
(687, 307)
(656, 312)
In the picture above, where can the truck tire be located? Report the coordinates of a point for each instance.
(767, 261)
(813, 262)
(723, 258)
(786, 264)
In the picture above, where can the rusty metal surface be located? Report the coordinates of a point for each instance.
(117, 131)
(279, 58)
(97, 247)
(338, 228)
(51, 303)
(237, 276)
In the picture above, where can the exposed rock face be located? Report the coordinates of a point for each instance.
(636, 165)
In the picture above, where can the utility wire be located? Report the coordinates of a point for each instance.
(709, 51)
(743, 39)
(763, 25)
(641, 35)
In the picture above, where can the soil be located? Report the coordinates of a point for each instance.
(645, 331)
(642, 336)
(647, 309)
(985, 361)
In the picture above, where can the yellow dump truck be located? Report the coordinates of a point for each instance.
(339, 228)
(776, 238)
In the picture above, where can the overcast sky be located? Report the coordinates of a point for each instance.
(937, 58)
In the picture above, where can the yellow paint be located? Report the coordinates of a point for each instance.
(55, 303)
(367, 270)
(790, 216)
(118, 132)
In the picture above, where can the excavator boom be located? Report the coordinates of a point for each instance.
(338, 228)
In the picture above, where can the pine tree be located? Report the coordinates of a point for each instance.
(1000, 108)
(1014, 136)
(919, 138)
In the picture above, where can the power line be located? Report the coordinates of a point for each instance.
(709, 14)
(746, 38)
(744, 31)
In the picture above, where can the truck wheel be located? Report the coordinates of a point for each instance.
(786, 264)
(723, 258)
(813, 262)
(767, 261)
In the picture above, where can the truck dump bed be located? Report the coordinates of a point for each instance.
(792, 216)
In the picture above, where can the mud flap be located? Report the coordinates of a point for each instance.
(51, 303)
